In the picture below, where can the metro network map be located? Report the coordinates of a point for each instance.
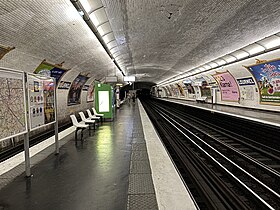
(12, 113)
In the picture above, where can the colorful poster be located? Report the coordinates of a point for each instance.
(90, 93)
(228, 86)
(188, 86)
(168, 91)
(64, 85)
(74, 95)
(180, 88)
(50, 70)
(174, 90)
(49, 109)
(267, 75)
(12, 104)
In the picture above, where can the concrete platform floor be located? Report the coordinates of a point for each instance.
(92, 175)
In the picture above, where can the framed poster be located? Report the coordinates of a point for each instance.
(50, 70)
(228, 86)
(41, 100)
(13, 120)
(180, 88)
(90, 93)
(267, 76)
(74, 95)
(188, 86)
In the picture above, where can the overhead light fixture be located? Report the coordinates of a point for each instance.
(220, 62)
(229, 58)
(253, 49)
(207, 67)
(86, 5)
(213, 64)
(239, 54)
(270, 42)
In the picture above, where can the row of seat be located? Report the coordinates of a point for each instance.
(86, 122)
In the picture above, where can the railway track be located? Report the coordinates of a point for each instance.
(225, 170)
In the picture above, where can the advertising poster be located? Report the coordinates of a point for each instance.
(168, 91)
(228, 86)
(188, 86)
(36, 101)
(267, 76)
(12, 104)
(49, 109)
(50, 70)
(74, 95)
(205, 89)
(174, 90)
(90, 93)
(180, 88)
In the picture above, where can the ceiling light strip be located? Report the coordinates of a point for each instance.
(250, 54)
(77, 4)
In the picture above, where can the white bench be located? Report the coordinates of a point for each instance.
(92, 116)
(201, 99)
(79, 126)
(87, 121)
(98, 115)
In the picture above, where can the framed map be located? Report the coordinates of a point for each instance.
(12, 104)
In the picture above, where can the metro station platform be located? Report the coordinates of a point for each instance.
(262, 116)
(122, 165)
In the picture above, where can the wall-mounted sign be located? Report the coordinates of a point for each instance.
(85, 88)
(64, 85)
(228, 86)
(50, 70)
(12, 104)
(129, 79)
(267, 75)
(74, 95)
(245, 81)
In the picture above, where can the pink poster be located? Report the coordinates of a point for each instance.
(228, 86)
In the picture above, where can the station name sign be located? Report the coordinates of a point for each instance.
(245, 81)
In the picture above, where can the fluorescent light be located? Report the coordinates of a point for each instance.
(220, 62)
(254, 49)
(239, 54)
(201, 69)
(270, 42)
(100, 30)
(85, 5)
(94, 19)
(229, 58)
(207, 67)
(213, 65)
(81, 13)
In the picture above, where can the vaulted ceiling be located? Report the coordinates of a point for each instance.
(156, 39)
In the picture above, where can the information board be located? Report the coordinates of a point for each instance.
(41, 101)
(267, 75)
(228, 86)
(12, 104)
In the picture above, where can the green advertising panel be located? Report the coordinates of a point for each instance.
(103, 102)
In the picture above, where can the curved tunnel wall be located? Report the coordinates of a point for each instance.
(238, 71)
